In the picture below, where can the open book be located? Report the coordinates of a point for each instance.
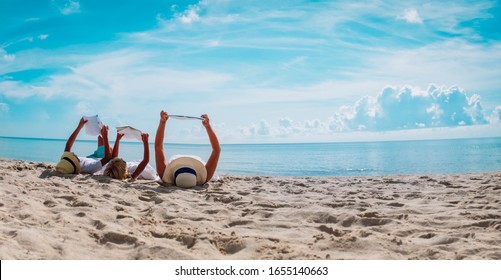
(129, 132)
(93, 125)
(179, 117)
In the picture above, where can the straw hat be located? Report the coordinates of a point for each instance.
(185, 172)
(68, 164)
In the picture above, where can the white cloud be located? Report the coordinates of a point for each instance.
(286, 129)
(411, 16)
(495, 117)
(84, 108)
(260, 130)
(408, 108)
(256, 131)
(43, 36)
(6, 56)
(67, 7)
(9, 57)
(213, 43)
(285, 123)
(122, 73)
(299, 132)
(396, 113)
(15, 89)
(264, 128)
(190, 15)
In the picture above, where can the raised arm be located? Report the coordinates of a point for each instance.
(107, 151)
(74, 135)
(146, 156)
(160, 160)
(211, 164)
(116, 147)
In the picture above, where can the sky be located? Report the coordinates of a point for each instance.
(264, 71)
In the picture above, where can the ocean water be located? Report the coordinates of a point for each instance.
(308, 159)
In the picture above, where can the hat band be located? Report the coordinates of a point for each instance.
(72, 164)
(184, 170)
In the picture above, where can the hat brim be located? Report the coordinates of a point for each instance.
(72, 159)
(185, 161)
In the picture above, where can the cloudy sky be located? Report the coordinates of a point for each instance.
(264, 71)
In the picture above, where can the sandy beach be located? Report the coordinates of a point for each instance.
(45, 215)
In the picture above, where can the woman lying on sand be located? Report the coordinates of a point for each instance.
(120, 169)
(185, 171)
(70, 163)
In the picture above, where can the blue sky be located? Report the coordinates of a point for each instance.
(264, 71)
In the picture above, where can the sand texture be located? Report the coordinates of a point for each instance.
(45, 215)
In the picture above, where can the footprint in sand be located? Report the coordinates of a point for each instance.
(370, 215)
(187, 239)
(271, 204)
(331, 231)
(257, 189)
(67, 197)
(370, 222)
(348, 221)
(427, 235)
(150, 196)
(118, 238)
(335, 205)
(413, 196)
(445, 240)
(72, 201)
(155, 199)
(77, 203)
(271, 251)
(485, 224)
(222, 198)
(239, 223)
(324, 218)
(395, 204)
(98, 224)
(228, 245)
(49, 203)
(125, 203)
(119, 217)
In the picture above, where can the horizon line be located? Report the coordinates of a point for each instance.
(272, 143)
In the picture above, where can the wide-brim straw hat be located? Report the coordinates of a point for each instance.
(68, 164)
(185, 172)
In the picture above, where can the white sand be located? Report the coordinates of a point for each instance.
(45, 215)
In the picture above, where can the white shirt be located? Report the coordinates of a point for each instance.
(89, 165)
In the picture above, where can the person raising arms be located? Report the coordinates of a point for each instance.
(120, 169)
(70, 163)
(185, 171)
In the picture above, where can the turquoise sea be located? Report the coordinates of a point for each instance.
(308, 159)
